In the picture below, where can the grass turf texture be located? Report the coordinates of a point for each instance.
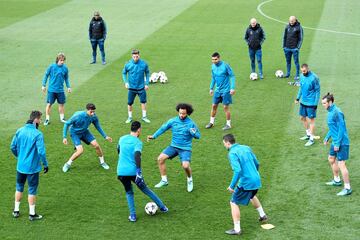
(89, 202)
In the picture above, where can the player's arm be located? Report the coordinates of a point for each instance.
(284, 37)
(246, 37)
(139, 180)
(341, 129)
(67, 82)
(100, 130)
(147, 75)
(124, 76)
(40, 146)
(327, 137)
(45, 78)
(194, 131)
(301, 37)
(263, 36)
(235, 165)
(256, 162)
(67, 124)
(13, 146)
(298, 96)
(166, 126)
(104, 30)
(317, 89)
(232, 79)
(90, 30)
(212, 83)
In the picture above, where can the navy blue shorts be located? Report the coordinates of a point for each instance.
(224, 98)
(307, 111)
(184, 155)
(342, 154)
(132, 94)
(33, 182)
(241, 196)
(86, 137)
(59, 97)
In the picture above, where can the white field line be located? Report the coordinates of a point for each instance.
(311, 28)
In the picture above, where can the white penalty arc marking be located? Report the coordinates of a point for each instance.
(311, 28)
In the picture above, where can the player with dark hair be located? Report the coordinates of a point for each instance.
(339, 149)
(58, 74)
(245, 182)
(129, 169)
(79, 124)
(136, 76)
(308, 96)
(223, 78)
(183, 131)
(28, 147)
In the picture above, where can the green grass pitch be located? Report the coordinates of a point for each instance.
(178, 37)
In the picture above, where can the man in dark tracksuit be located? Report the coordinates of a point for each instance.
(97, 36)
(292, 40)
(254, 37)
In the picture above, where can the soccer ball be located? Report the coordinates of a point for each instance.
(253, 76)
(151, 208)
(279, 74)
(154, 77)
(162, 77)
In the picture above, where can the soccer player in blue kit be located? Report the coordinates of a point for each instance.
(339, 148)
(79, 131)
(245, 181)
(129, 169)
(28, 147)
(183, 130)
(58, 74)
(223, 78)
(136, 76)
(308, 96)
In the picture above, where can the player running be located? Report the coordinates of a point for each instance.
(308, 96)
(79, 131)
(129, 169)
(223, 77)
(339, 149)
(245, 181)
(183, 131)
(58, 74)
(136, 76)
(28, 147)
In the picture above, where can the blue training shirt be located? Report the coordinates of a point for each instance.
(136, 74)
(181, 134)
(245, 167)
(337, 127)
(127, 146)
(28, 147)
(79, 123)
(309, 90)
(223, 77)
(58, 75)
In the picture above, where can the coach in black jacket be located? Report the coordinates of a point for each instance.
(97, 36)
(293, 38)
(254, 37)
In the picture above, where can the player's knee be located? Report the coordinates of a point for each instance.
(161, 159)
(185, 165)
(79, 150)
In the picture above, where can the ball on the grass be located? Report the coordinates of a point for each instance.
(253, 76)
(279, 74)
(151, 208)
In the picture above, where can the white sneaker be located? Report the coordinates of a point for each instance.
(63, 120)
(47, 122)
(129, 120)
(161, 184)
(66, 167)
(105, 166)
(190, 186)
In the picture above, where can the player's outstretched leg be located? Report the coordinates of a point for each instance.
(100, 154)
(212, 116)
(148, 192)
(75, 155)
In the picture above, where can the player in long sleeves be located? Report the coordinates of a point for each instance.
(223, 78)
(129, 169)
(339, 148)
(28, 147)
(245, 182)
(79, 124)
(183, 130)
(136, 76)
(58, 74)
(308, 96)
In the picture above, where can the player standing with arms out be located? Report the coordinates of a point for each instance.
(28, 147)
(339, 148)
(136, 76)
(183, 131)
(79, 124)
(308, 96)
(58, 74)
(222, 76)
(129, 169)
(245, 182)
